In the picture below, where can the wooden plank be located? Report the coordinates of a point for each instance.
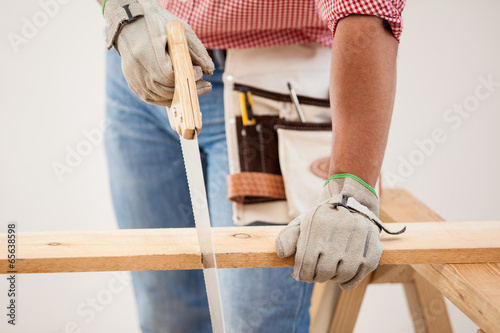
(398, 205)
(427, 307)
(416, 313)
(473, 288)
(426, 304)
(235, 247)
(316, 309)
(393, 274)
(348, 306)
(437, 242)
(323, 303)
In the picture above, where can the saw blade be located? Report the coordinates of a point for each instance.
(199, 202)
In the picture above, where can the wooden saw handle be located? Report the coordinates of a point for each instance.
(184, 114)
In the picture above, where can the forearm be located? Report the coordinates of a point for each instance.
(100, 2)
(362, 90)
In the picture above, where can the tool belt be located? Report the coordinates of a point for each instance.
(279, 139)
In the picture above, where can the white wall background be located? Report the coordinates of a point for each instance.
(52, 91)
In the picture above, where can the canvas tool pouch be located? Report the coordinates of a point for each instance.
(278, 164)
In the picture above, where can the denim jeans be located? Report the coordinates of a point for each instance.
(149, 190)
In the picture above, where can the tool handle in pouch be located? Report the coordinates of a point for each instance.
(184, 113)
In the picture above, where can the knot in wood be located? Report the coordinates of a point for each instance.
(241, 235)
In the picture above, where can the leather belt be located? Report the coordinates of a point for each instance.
(252, 187)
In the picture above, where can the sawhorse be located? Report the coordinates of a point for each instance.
(473, 288)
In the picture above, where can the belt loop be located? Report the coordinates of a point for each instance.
(219, 57)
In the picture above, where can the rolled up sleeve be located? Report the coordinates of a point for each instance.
(333, 10)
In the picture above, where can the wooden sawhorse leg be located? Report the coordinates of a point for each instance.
(335, 311)
(427, 307)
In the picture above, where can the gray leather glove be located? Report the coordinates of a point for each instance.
(338, 239)
(137, 30)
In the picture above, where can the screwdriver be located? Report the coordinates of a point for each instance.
(295, 101)
(246, 106)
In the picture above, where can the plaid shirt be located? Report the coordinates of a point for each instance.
(258, 23)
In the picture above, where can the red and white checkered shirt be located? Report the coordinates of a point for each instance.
(257, 23)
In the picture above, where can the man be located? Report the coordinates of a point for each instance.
(149, 189)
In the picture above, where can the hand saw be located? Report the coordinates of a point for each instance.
(185, 118)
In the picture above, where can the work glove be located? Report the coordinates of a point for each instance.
(136, 28)
(339, 238)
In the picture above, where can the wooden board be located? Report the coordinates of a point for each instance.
(427, 307)
(324, 299)
(473, 288)
(235, 247)
(349, 304)
(393, 274)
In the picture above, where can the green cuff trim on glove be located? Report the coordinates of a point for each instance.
(348, 175)
(103, 4)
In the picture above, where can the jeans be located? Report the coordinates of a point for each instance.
(149, 190)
